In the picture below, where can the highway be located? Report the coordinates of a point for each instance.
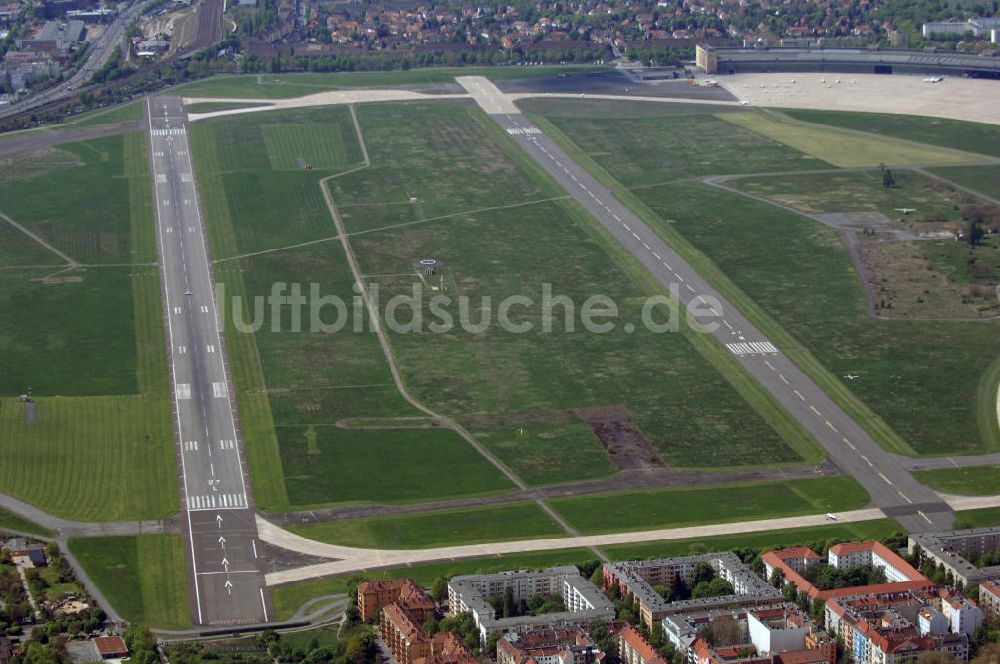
(101, 50)
(847, 444)
(225, 578)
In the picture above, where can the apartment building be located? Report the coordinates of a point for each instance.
(774, 634)
(584, 602)
(949, 549)
(989, 598)
(548, 646)
(635, 579)
(892, 628)
(900, 575)
(374, 595)
(633, 648)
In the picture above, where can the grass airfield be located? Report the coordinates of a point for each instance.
(323, 420)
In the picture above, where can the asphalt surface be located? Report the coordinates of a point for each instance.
(100, 50)
(227, 586)
(847, 444)
(33, 140)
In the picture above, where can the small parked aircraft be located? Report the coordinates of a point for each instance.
(933, 79)
(905, 210)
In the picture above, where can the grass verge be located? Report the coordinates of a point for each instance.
(515, 521)
(142, 576)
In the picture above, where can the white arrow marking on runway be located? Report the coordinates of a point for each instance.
(225, 563)
(229, 587)
(218, 519)
(222, 541)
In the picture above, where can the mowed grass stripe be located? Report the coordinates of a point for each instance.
(318, 145)
(952, 134)
(142, 230)
(141, 576)
(90, 458)
(846, 149)
(674, 508)
(514, 521)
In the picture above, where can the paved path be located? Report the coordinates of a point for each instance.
(334, 98)
(346, 559)
(70, 262)
(352, 560)
(346, 97)
(64, 528)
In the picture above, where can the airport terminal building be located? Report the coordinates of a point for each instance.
(766, 59)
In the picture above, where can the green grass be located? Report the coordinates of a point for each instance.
(453, 527)
(819, 310)
(674, 508)
(80, 201)
(843, 149)
(90, 345)
(91, 458)
(70, 338)
(859, 192)
(283, 86)
(955, 134)
(251, 164)
(289, 598)
(517, 393)
(141, 576)
(772, 539)
(643, 144)
(532, 382)
(11, 521)
(984, 179)
(382, 466)
(983, 518)
(18, 249)
(134, 110)
(972, 481)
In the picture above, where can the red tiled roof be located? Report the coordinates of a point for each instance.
(640, 645)
(990, 587)
(110, 645)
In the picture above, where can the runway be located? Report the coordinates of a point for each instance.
(848, 445)
(224, 573)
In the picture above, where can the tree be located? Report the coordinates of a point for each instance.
(713, 588)
(439, 589)
(702, 572)
(597, 577)
(778, 577)
(722, 631)
(936, 657)
(976, 233)
(509, 605)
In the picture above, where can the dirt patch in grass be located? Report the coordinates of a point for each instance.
(625, 444)
(904, 284)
